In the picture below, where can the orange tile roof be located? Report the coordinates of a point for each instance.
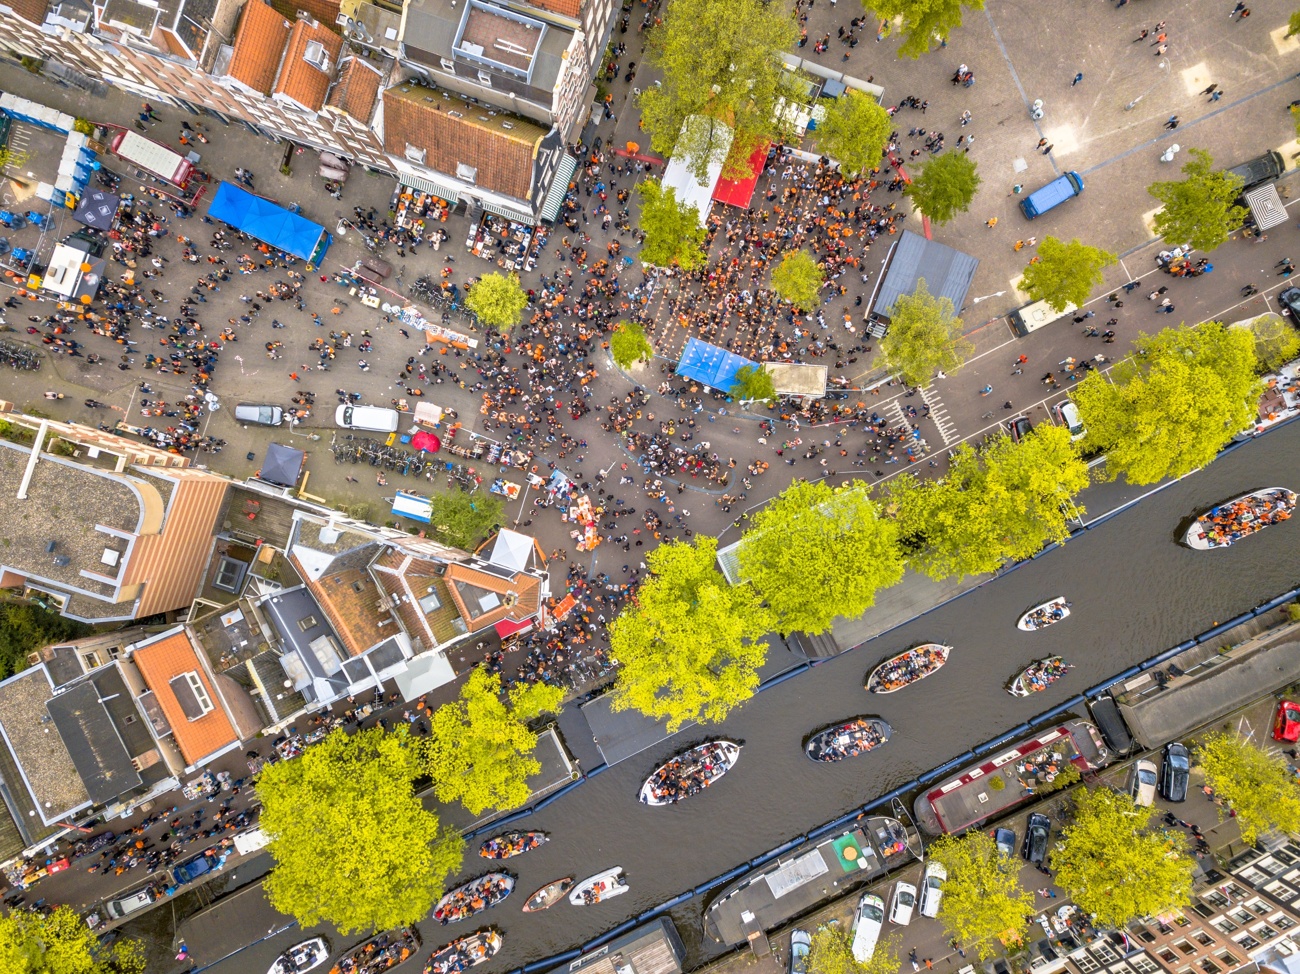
(525, 589)
(159, 663)
(350, 600)
(259, 42)
(30, 10)
(566, 8)
(300, 80)
(356, 91)
(171, 563)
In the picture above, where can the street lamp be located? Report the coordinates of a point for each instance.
(1163, 65)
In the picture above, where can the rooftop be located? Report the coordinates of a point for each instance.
(356, 91)
(172, 669)
(486, 598)
(259, 43)
(92, 736)
(309, 63)
(499, 37)
(272, 519)
(312, 654)
(43, 759)
(420, 597)
(654, 948)
(228, 636)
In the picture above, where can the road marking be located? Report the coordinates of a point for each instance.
(895, 409)
(939, 413)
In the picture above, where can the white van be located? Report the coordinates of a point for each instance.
(866, 926)
(1033, 316)
(124, 906)
(251, 840)
(380, 419)
(932, 889)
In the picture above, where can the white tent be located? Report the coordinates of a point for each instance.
(511, 550)
(678, 175)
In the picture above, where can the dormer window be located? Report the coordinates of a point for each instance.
(191, 695)
(316, 56)
(414, 154)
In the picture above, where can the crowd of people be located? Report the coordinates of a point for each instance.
(1226, 523)
(459, 955)
(379, 953)
(473, 897)
(915, 664)
(690, 773)
(848, 740)
(1040, 675)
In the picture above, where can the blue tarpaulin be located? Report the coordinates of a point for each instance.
(272, 224)
(710, 364)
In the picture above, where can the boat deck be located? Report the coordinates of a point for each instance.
(782, 890)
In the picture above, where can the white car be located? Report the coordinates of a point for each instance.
(866, 926)
(1067, 413)
(932, 889)
(900, 911)
(1142, 783)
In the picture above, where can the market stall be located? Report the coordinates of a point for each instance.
(412, 207)
(509, 244)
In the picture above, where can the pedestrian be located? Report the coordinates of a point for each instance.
(1041, 143)
(1015, 190)
(1210, 90)
(1077, 78)
(991, 222)
(1172, 123)
(1007, 405)
(1048, 150)
(1018, 246)
(1142, 36)
(986, 390)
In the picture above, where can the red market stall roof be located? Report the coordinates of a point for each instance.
(740, 192)
(507, 627)
(424, 440)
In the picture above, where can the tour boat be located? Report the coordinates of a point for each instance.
(511, 844)
(908, 667)
(600, 887)
(548, 895)
(1038, 675)
(468, 951)
(847, 740)
(689, 773)
(306, 956)
(379, 953)
(1041, 616)
(1233, 520)
(474, 897)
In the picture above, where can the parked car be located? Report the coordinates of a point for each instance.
(800, 947)
(1174, 772)
(866, 926)
(1286, 725)
(1005, 840)
(1067, 413)
(1037, 832)
(1142, 783)
(1289, 299)
(900, 911)
(259, 413)
(124, 906)
(932, 889)
(191, 869)
(1019, 427)
(1259, 170)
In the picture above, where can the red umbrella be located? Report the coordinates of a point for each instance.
(426, 441)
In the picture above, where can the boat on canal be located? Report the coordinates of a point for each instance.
(850, 739)
(474, 897)
(303, 957)
(1041, 616)
(464, 952)
(689, 773)
(908, 667)
(600, 887)
(548, 895)
(1038, 675)
(379, 953)
(1240, 517)
(512, 844)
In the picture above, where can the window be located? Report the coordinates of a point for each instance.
(485, 79)
(1246, 942)
(1223, 925)
(447, 64)
(1085, 963)
(90, 661)
(1281, 921)
(1186, 946)
(1256, 905)
(1264, 932)
(1240, 915)
(1143, 964)
(1203, 938)
(467, 173)
(307, 622)
(1216, 898)
(1104, 952)
(414, 154)
(191, 695)
(1209, 967)
(1168, 956)
(1280, 891)
(228, 574)
(1227, 959)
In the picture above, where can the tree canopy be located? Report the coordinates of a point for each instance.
(1066, 273)
(945, 185)
(798, 280)
(479, 752)
(720, 66)
(369, 856)
(674, 234)
(463, 520)
(61, 943)
(924, 337)
(753, 383)
(983, 905)
(1257, 785)
(925, 22)
(1201, 209)
(1115, 866)
(1168, 409)
(497, 299)
(1276, 341)
(816, 552)
(688, 648)
(855, 132)
(629, 345)
(1005, 502)
(832, 953)
(25, 627)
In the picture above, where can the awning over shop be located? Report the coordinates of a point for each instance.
(428, 186)
(714, 366)
(559, 187)
(272, 224)
(506, 628)
(422, 674)
(739, 192)
(1266, 207)
(519, 216)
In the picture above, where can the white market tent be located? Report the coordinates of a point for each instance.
(678, 175)
(797, 380)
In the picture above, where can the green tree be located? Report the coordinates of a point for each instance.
(1066, 274)
(1114, 866)
(753, 383)
(479, 751)
(1276, 342)
(1170, 408)
(498, 300)
(798, 279)
(674, 232)
(944, 187)
(720, 64)
(353, 844)
(854, 132)
(925, 22)
(25, 628)
(688, 649)
(924, 336)
(1004, 502)
(1293, 24)
(61, 943)
(629, 345)
(815, 538)
(1257, 785)
(463, 520)
(983, 905)
(832, 953)
(1201, 209)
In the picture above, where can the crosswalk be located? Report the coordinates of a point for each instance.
(939, 413)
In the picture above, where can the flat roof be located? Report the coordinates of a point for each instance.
(655, 948)
(43, 759)
(947, 272)
(101, 757)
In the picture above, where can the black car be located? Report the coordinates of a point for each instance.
(1039, 830)
(1174, 772)
(1005, 840)
(1290, 301)
(1019, 427)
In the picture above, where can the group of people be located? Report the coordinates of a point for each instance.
(474, 897)
(1041, 674)
(1231, 522)
(459, 955)
(379, 954)
(1045, 615)
(915, 664)
(688, 774)
(848, 740)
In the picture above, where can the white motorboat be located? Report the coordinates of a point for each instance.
(689, 773)
(1041, 616)
(600, 887)
(302, 957)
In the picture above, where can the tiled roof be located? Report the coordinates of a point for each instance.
(412, 580)
(259, 42)
(566, 8)
(351, 600)
(500, 147)
(172, 562)
(30, 10)
(517, 597)
(300, 79)
(356, 91)
(161, 662)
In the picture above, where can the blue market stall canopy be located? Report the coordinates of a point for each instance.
(272, 224)
(710, 364)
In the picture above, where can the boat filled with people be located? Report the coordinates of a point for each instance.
(689, 773)
(1038, 675)
(474, 897)
(1240, 517)
(465, 952)
(847, 740)
(1042, 616)
(908, 667)
(548, 895)
(303, 957)
(512, 844)
(379, 953)
(600, 887)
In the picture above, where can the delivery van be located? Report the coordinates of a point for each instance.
(1062, 188)
(1033, 316)
(380, 419)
